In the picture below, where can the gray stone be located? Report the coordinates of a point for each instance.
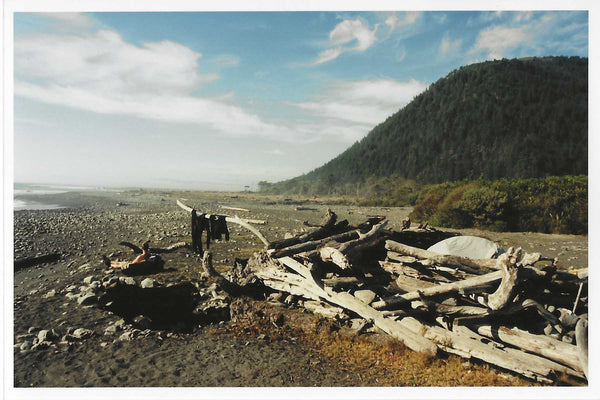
(148, 283)
(87, 299)
(33, 329)
(127, 280)
(127, 336)
(82, 333)
(47, 335)
(366, 296)
(26, 345)
(89, 279)
(51, 293)
(96, 285)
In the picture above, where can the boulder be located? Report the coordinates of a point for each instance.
(87, 299)
(467, 246)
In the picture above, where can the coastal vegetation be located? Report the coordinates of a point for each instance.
(498, 145)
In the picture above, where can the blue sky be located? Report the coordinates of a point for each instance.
(220, 100)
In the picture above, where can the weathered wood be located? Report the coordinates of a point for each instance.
(311, 245)
(331, 254)
(233, 208)
(542, 345)
(440, 289)
(337, 254)
(474, 266)
(31, 261)
(326, 228)
(506, 291)
(235, 220)
(325, 309)
(581, 338)
(349, 302)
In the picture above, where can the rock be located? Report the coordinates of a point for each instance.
(51, 293)
(33, 329)
(47, 335)
(127, 336)
(89, 279)
(142, 321)
(148, 283)
(85, 266)
(127, 280)
(26, 345)
(82, 333)
(71, 288)
(366, 296)
(87, 299)
(95, 285)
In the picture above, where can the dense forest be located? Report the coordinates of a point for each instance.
(499, 145)
(521, 118)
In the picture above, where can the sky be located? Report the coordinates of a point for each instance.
(221, 100)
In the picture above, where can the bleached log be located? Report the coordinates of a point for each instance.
(474, 266)
(409, 284)
(337, 254)
(542, 345)
(581, 338)
(331, 254)
(311, 245)
(235, 220)
(325, 229)
(233, 208)
(325, 309)
(363, 238)
(445, 288)
(506, 291)
(349, 302)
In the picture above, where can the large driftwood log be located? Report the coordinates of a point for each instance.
(440, 289)
(542, 345)
(506, 291)
(474, 266)
(337, 254)
(311, 245)
(349, 302)
(581, 336)
(235, 220)
(325, 229)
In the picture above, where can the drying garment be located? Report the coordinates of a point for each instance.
(218, 227)
(199, 224)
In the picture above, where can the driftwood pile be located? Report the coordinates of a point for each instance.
(517, 312)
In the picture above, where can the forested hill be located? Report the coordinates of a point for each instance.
(516, 118)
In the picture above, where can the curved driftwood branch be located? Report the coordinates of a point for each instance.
(235, 220)
(168, 249)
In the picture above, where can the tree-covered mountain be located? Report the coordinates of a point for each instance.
(520, 118)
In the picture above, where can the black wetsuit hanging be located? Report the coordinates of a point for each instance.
(199, 224)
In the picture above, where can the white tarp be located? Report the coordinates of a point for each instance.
(467, 246)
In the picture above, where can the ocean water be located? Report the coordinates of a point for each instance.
(21, 204)
(21, 191)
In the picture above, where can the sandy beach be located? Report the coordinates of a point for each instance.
(61, 340)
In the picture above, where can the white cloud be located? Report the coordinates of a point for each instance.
(447, 45)
(498, 39)
(328, 55)
(401, 20)
(65, 21)
(348, 31)
(366, 102)
(102, 73)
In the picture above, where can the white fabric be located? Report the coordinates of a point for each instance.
(467, 246)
